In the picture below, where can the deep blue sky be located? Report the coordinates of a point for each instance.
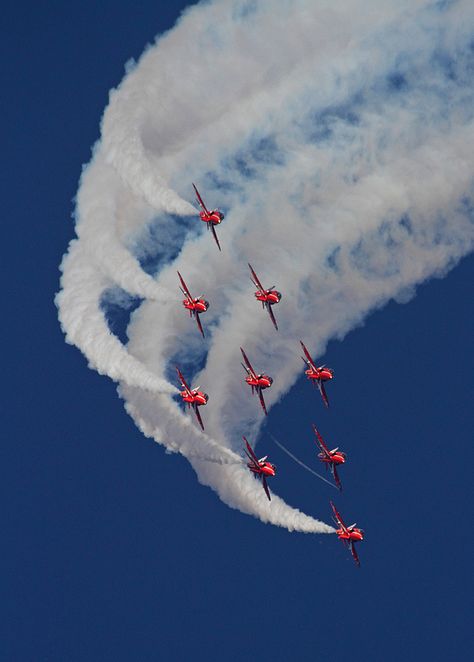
(111, 549)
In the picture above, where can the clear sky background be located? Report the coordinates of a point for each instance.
(111, 549)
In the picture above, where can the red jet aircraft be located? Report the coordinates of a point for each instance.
(260, 468)
(193, 397)
(330, 458)
(317, 375)
(195, 306)
(212, 218)
(268, 297)
(257, 382)
(348, 534)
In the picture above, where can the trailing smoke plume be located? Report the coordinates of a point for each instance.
(337, 137)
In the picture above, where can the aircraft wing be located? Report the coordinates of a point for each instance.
(200, 200)
(272, 316)
(339, 518)
(183, 381)
(247, 363)
(184, 288)
(335, 475)
(322, 390)
(198, 416)
(250, 454)
(262, 401)
(199, 323)
(255, 280)
(214, 233)
(355, 556)
(265, 487)
(308, 356)
(321, 443)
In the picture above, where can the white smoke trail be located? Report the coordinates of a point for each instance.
(103, 225)
(341, 149)
(85, 326)
(302, 464)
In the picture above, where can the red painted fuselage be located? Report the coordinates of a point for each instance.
(356, 535)
(265, 468)
(259, 381)
(337, 457)
(196, 305)
(268, 296)
(215, 216)
(324, 375)
(211, 218)
(194, 397)
(260, 467)
(348, 534)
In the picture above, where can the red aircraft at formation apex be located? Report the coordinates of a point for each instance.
(348, 534)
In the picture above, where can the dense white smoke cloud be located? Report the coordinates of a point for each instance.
(339, 141)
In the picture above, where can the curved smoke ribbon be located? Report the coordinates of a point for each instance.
(339, 142)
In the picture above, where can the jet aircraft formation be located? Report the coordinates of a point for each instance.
(318, 375)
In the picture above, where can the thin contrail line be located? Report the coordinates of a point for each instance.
(305, 466)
